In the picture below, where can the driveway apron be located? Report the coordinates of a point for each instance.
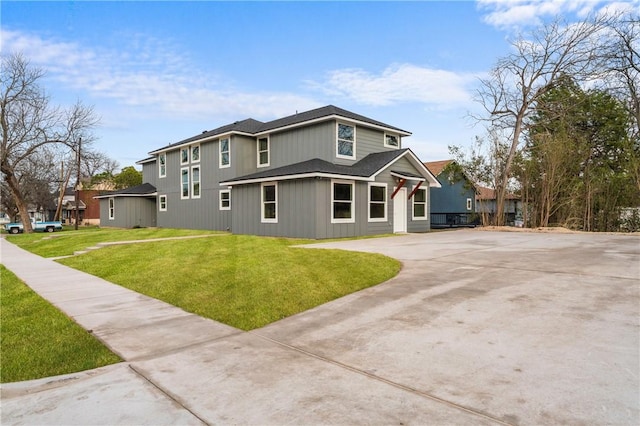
(479, 327)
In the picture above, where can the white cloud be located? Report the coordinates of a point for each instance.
(400, 83)
(149, 73)
(507, 14)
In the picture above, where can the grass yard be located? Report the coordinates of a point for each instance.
(67, 242)
(37, 340)
(243, 281)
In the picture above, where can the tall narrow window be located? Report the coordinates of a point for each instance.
(225, 199)
(184, 176)
(377, 202)
(195, 182)
(469, 204)
(112, 208)
(184, 155)
(162, 161)
(346, 141)
(195, 153)
(420, 204)
(269, 203)
(263, 152)
(162, 203)
(225, 159)
(342, 202)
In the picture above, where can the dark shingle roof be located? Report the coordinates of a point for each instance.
(320, 113)
(145, 189)
(363, 168)
(252, 126)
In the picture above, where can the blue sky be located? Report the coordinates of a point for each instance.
(159, 72)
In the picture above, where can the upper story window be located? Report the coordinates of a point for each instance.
(225, 152)
(263, 152)
(195, 153)
(184, 155)
(162, 162)
(420, 204)
(184, 180)
(377, 202)
(346, 141)
(391, 141)
(269, 203)
(342, 207)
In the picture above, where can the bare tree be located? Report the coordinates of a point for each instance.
(29, 124)
(515, 84)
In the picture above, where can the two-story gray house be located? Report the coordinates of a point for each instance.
(323, 173)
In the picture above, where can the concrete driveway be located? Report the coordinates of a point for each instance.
(478, 328)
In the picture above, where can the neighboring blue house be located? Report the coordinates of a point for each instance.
(323, 173)
(454, 204)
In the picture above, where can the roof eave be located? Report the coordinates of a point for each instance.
(334, 117)
(297, 176)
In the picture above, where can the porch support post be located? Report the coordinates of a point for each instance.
(400, 185)
(415, 190)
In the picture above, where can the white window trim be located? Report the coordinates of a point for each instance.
(220, 206)
(188, 151)
(191, 153)
(192, 182)
(182, 196)
(352, 219)
(377, 219)
(160, 174)
(399, 139)
(258, 152)
(160, 208)
(220, 165)
(413, 202)
(112, 208)
(338, 155)
(469, 204)
(262, 218)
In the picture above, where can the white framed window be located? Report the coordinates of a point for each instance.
(342, 206)
(346, 141)
(469, 204)
(263, 152)
(269, 199)
(419, 202)
(162, 203)
(184, 181)
(162, 165)
(184, 156)
(112, 208)
(377, 202)
(391, 141)
(225, 152)
(195, 182)
(225, 199)
(195, 153)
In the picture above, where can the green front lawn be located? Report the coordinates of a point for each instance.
(37, 340)
(244, 281)
(67, 242)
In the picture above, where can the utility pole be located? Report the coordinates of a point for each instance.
(78, 185)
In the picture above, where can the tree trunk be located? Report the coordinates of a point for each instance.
(14, 187)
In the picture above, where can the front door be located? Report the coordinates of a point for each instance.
(400, 211)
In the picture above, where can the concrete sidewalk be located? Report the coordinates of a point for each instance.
(478, 328)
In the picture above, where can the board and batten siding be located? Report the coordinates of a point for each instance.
(129, 212)
(302, 144)
(150, 172)
(452, 197)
